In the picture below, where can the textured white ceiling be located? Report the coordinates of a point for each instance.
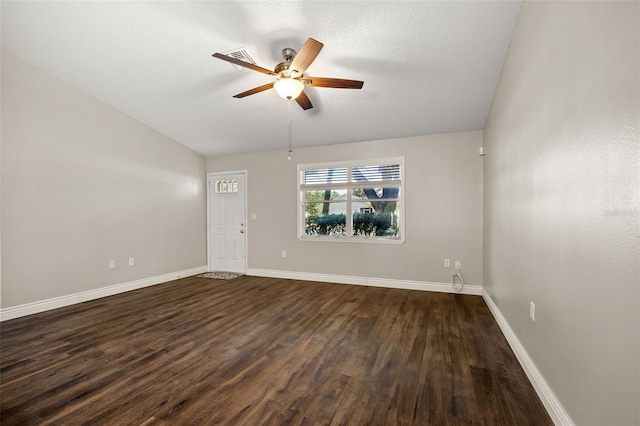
(428, 67)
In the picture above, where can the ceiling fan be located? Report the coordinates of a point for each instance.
(290, 80)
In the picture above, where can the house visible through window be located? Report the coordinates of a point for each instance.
(354, 201)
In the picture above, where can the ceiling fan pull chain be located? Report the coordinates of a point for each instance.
(290, 139)
(290, 133)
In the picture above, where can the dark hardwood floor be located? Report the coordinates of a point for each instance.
(263, 351)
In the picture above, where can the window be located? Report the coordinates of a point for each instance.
(352, 201)
(223, 186)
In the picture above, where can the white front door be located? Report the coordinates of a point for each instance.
(227, 220)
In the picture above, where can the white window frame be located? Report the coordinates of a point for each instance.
(302, 236)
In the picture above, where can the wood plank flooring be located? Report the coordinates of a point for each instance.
(263, 351)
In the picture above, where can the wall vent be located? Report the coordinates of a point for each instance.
(241, 55)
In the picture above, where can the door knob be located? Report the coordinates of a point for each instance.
(242, 231)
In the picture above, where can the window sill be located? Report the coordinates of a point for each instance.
(345, 239)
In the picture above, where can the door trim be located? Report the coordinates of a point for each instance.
(246, 197)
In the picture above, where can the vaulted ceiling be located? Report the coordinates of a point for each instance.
(428, 67)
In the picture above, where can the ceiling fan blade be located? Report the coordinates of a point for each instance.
(254, 90)
(303, 101)
(306, 55)
(243, 63)
(336, 83)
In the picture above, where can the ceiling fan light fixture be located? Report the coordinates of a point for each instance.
(288, 88)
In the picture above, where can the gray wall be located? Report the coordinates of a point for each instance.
(443, 184)
(83, 184)
(561, 202)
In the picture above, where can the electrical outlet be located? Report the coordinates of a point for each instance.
(457, 264)
(112, 264)
(532, 311)
(132, 261)
(284, 253)
(447, 263)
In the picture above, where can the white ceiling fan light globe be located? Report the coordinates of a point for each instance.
(288, 88)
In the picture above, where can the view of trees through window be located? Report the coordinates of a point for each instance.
(355, 201)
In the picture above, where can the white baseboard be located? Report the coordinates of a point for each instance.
(59, 302)
(551, 402)
(373, 282)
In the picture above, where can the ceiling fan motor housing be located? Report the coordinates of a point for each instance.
(282, 68)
